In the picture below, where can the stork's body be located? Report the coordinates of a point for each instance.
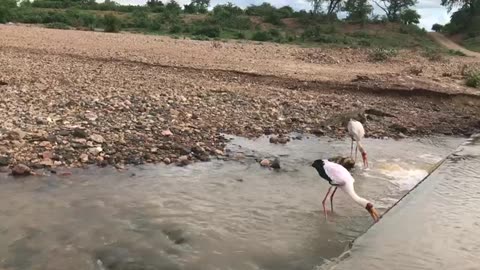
(357, 132)
(338, 177)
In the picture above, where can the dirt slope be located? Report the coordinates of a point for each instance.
(446, 42)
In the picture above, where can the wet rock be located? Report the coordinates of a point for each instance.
(265, 163)
(283, 140)
(5, 160)
(21, 170)
(183, 161)
(167, 161)
(80, 133)
(274, 139)
(97, 138)
(398, 128)
(318, 132)
(275, 164)
(347, 162)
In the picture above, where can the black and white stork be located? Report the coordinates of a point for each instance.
(339, 177)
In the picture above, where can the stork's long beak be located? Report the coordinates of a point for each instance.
(373, 212)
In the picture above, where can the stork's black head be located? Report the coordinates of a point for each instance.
(318, 164)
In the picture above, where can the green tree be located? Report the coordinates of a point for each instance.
(393, 8)
(316, 6)
(410, 16)
(6, 7)
(437, 27)
(358, 10)
(173, 8)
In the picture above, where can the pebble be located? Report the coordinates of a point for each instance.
(167, 133)
(265, 163)
(97, 138)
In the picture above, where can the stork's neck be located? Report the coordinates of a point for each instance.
(351, 192)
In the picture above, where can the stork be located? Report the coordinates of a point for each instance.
(338, 177)
(357, 132)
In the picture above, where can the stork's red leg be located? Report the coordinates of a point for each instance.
(323, 202)
(331, 198)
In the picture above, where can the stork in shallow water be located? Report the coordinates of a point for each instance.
(339, 177)
(357, 132)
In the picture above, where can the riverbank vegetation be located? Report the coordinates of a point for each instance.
(265, 22)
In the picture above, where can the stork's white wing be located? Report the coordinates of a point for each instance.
(339, 175)
(356, 130)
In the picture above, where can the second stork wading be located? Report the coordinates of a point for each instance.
(357, 132)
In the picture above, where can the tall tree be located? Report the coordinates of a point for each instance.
(393, 8)
(334, 6)
(316, 6)
(358, 10)
(471, 5)
(410, 16)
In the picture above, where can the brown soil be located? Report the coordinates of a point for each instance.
(72, 97)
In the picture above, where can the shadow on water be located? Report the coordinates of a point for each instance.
(216, 215)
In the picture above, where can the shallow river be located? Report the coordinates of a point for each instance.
(216, 215)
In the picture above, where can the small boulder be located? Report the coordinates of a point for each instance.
(21, 170)
(167, 133)
(265, 163)
(274, 139)
(80, 133)
(276, 163)
(97, 138)
(347, 162)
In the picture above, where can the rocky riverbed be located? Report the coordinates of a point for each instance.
(97, 105)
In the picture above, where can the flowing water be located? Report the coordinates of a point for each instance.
(216, 215)
(437, 226)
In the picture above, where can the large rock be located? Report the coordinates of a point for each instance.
(347, 162)
(21, 170)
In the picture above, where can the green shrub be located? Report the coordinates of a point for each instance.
(57, 25)
(175, 29)
(239, 35)
(112, 23)
(456, 53)
(261, 36)
(382, 54)
(473, 79)
(210, 31)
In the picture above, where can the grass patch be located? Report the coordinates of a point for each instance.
(456, 53)
(382, 54)
(472, 44)
(57, 25)
(473, 79)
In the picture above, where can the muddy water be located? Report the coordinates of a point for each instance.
(437, 226)
(217, 215)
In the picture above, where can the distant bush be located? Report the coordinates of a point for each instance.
(239, 35)
(6, 7)
(112, 23)
(208, 30)
(473, 79)
(437, 27)
(261, 36)
(382, 54)
(175, 29)
(140, 19)
(57, 25)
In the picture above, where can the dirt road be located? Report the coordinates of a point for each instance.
(446, 42)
